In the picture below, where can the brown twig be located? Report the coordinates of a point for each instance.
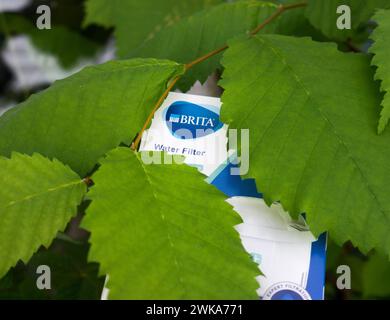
(88, 181)
(137, 140)
(205, 57)
(351, 46)
(280, 10)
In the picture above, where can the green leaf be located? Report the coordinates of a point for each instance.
(37, 199)
(135, 21)
(162, 232)
(78, 119)
(323, 15)
(376, 277)
(54, 41)
(312, 114)
(202, 33)
(294, 23)
(381, 49)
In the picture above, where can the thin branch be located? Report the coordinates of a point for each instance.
(280, 10)
(88, 181)
(137, 141)
(205, 57)
(351, 46)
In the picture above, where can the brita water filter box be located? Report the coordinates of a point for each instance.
(189, 126)
(291, 260)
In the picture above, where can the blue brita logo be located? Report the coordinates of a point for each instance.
(189, 121)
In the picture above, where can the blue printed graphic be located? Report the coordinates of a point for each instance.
(187, 120)
(233, 185)
(174, 118)
(287, 295)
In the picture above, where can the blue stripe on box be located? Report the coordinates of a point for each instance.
(233, 185)
(316, 278)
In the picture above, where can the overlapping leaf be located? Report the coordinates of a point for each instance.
(79, 119)
(381, 49)
(161, 232)
(204, 32)
(312, 114)
(37, 199)
(323, 15)
(136, 21)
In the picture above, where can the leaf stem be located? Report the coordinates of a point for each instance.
(88, 181)
(135, 144)
(280, 10)
(205, 57)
